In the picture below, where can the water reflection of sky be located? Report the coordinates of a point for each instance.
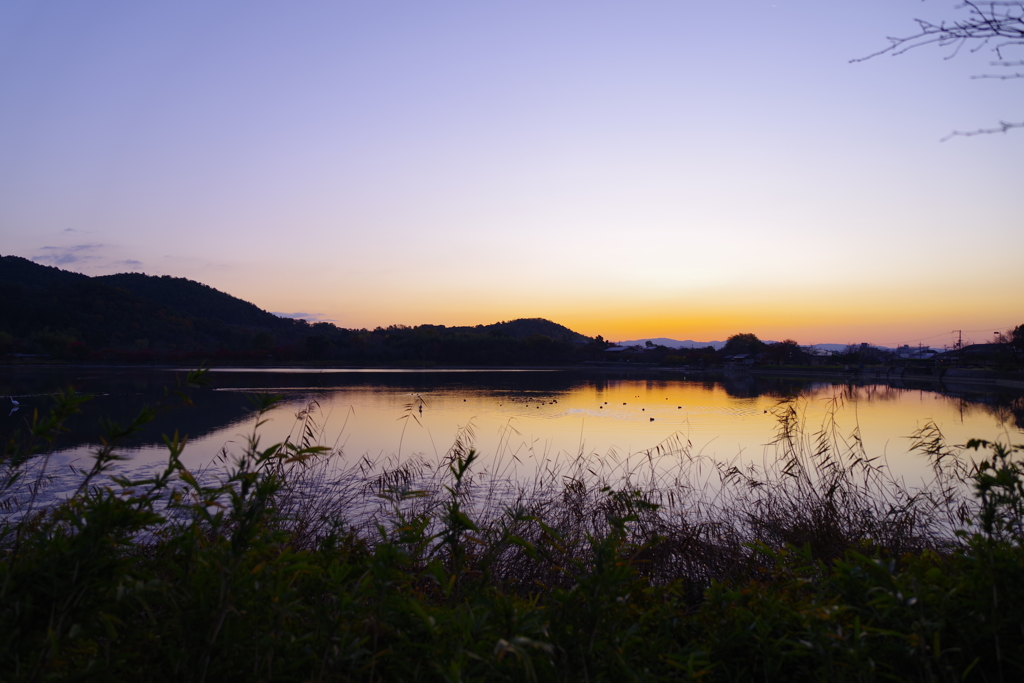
(526, 418)
(629, 416)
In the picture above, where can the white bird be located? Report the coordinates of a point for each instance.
(13, 401)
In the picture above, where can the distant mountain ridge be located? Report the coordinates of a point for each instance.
(44, 309)
(674, 343)
(717, 345)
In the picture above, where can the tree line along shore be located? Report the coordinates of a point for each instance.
(51, 315)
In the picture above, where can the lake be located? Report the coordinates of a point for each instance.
(518, 420)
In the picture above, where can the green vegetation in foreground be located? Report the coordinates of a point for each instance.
(821, 569)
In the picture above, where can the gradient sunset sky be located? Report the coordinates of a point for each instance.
(686, 168)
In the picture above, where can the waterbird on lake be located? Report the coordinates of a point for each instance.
(13, 401)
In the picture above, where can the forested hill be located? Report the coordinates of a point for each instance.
(46, 310)
(525, 327)
(193, 299)
(132, 317)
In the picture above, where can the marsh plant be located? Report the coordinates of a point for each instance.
(291, 561)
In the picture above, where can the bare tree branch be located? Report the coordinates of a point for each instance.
(1001, 77)
(1003, 127)
(995, 25)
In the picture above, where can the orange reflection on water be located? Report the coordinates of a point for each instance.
(520, 429)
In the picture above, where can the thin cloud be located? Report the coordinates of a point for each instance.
(131, 263)
(308, 317)
(62, 256)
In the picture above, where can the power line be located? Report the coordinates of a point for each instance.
(920, 339)
(986, 329)
(995, 329)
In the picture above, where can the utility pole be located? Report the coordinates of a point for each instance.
(960, 339)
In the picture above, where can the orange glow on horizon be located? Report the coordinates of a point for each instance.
(883, 314)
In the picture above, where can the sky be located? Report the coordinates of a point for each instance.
(659, 168)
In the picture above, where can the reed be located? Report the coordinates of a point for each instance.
(291, 561)
(815, 488)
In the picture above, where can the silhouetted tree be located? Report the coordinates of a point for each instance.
(786, 351)
(744, 342)
(1017, 338)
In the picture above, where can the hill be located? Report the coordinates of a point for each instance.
(526, 327)
(133, 317)
(194, 299)
(46, 310)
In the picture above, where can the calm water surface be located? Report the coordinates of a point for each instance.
(513, 418)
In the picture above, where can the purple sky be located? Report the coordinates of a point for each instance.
(686, 169)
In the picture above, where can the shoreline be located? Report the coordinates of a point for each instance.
(932, 376)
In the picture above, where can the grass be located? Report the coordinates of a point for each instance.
(291, 562)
